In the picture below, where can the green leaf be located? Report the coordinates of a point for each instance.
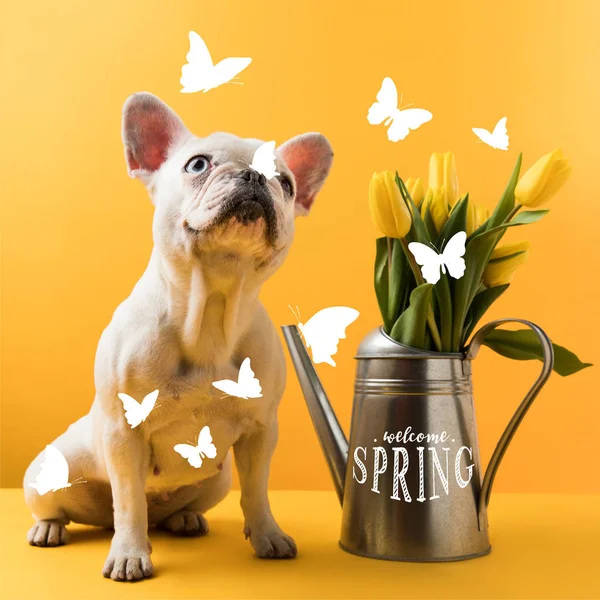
(444, 306)
(477, 255)
(524, 344)
(523, 218)
(507, 201)
(495, 261)
(457, 221)
(399, 279)
(432, 232)
(382, 281)
(410, 327)
(481, 302)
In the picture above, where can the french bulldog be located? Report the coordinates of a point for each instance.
(220, 229)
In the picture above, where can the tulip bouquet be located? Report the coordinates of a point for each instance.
(441, 316)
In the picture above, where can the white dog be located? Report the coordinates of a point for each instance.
(220, 230)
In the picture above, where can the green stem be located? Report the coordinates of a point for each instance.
(390, 247)
(512, 213)
(390, 251)
(435, 334)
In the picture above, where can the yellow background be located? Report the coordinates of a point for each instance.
(76, 230)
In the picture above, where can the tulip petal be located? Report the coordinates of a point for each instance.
(379, 204)
(439, 208)
(450, 179)
(510, 249)
(400, 212)
(500, 271)
(436, 170)
(543, 179)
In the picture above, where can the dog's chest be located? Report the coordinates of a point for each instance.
(203, 426)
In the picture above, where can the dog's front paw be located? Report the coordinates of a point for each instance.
(271, 542)
(128, 562)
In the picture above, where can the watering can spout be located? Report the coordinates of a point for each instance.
(331, 436)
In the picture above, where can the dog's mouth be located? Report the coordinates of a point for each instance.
(247, 206)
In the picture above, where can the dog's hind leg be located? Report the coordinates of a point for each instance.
(78, 503)
(190, 520)
(49, 529)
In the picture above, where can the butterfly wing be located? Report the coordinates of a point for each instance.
(500, 135)
(205, 445)
(190, 453)
(197, 73)
(199, 55)
(148, 404)
(325, 329)
(229, 387)
(387, 103)
(403, 121)
(134, 412)
(453, 253)
(263, 160)
(429, 260)
(498, 139)
(248, 384)
(484, 135)
(54, 472)
(227, 69)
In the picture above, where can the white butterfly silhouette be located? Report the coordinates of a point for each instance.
(54, 474)
(451, 258)
(498, 139)
(203, 449)
(386, 109)
(247, 386)
(323, 331)
(200, 74)
(135, 412)
(263, 160)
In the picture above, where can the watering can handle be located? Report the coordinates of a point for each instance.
(511, 428)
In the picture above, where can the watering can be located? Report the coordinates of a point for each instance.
(409, 479)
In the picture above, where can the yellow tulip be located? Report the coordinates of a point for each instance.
(388, 210)
(442, 174)
(504, 262)
(476, 216)
(543, 180)
(436, 170)
(438, 207)
(416, 190)
(482, 214)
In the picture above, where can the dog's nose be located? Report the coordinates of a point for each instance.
(252, 175)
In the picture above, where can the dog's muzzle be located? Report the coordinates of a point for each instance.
(251, 201)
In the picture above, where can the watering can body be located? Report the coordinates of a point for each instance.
(409, 478)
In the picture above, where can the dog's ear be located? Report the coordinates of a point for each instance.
(309, 157)
(150, 131)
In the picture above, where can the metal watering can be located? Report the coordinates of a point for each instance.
(413, 489)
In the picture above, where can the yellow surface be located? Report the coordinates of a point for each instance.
(76, 230)
(543, 546)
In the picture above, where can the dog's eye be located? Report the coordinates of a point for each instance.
(286, 185)
(197, 165)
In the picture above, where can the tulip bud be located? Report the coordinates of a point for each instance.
(442, 174)
(482, 214)
(504, 262)
(543, 180)
(450, 179)
(416, 190)
(388, 209)
(476, 216)
(438, 208)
